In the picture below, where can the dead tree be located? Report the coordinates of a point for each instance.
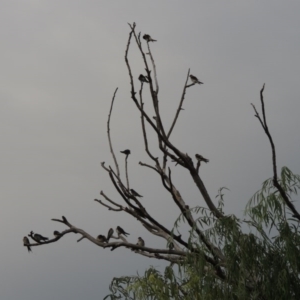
(129, 199)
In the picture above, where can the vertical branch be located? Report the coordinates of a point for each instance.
(127, 63)
(126, 171)
(108, 133)
(274, 164)
(176, 115)
(180, 106)
(144, 127)
(268, 132)
(154, 69)
(153, 93)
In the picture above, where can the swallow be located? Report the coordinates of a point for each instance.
(143, 78)
(56, 233)
(109, 234)
(201, 158)
(26, 243)
(148, 38)
(39, 238)
(126, 152)
(134, 193)
(141, 242)
(120, 230)
(101, 238)
(195, 79)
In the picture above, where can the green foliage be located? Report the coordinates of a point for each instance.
(263, 263)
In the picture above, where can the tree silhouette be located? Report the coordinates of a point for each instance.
(217, 258)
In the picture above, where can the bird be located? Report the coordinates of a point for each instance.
(26, 243)
(201, 158)
(109, 234)
(39, 238)
(101, 238)
(56, 233)
(120, 230)
(140, 242)
(148, 38)
(134, 193)
(143, 78)
(126, 152)
(195, 79)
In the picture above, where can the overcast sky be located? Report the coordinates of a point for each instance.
(60, 64)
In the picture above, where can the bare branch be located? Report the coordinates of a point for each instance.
(148, 166)
(144, 128)
(180, 105)
(108, 199)
(274, 163)
(108, 133)
(126, 172)
(109, 207)
(154, 68)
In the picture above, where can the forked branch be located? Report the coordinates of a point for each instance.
(263, 122)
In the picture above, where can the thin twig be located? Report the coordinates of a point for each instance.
(109, 207)
(144, 127)
(179, 106)
(154, 69)
(108, 134)
(126, 172)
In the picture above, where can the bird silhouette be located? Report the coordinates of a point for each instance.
(134, 193)
(143, 78)
(101, 238)
(201, 158)
(38, 237)
(109, 234)
(195, 79)
(120, 230)
(126, 152)
(26, 243)
(140, 242)
(148, 38)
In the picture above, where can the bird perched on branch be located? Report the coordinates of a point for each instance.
(126, 152)
(101, 238)
(134, 193)
(195, 79)
(56, 233)
(140, 242)
(26, 243)
(148, 38)
(120, 230)
(109, 234)
(143, 78)
(38, 237)
(201, 158)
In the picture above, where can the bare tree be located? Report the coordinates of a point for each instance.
(213, 252)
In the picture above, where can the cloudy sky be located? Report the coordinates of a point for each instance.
(60, 64)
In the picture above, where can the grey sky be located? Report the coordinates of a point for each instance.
(60, 64)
